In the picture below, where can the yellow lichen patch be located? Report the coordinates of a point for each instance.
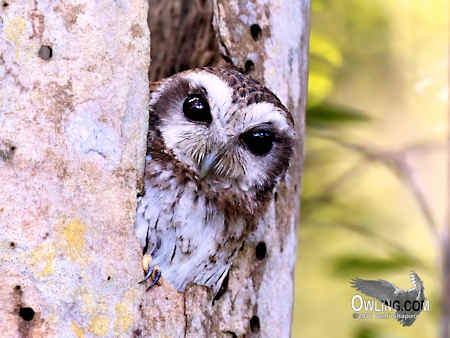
(124, 311)
(53, 319)
(78, 330)
(99, 325)
(74, 234)
(88, 304)
(41, 260)
(95, 307)
(91, 305)
(14, 29)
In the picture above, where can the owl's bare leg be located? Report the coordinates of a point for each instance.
(151, 271)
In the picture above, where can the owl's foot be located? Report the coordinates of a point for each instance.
(151, 272)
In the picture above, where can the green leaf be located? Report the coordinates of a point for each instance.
(357, 265)
(327, 115)
(325, 48)
(366, 332)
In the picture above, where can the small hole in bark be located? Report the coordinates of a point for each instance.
(140, 306)
(249, 66)
(26, 313)
(17, 287)
(6, 150)
(109, 278)
(5, 4)
(275, 196)
(261, 250)
(254, 324)
(295, 188)
(255, 31)
(12, 245)
(232, 334)
(45, 52)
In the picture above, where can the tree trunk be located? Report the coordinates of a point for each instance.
(73, 115)
(73, 105)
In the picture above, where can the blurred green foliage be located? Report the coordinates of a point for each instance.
(366, 332)
(328, 115)
(346, 264)
(346, 230)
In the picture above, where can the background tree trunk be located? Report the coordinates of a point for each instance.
(73, 115)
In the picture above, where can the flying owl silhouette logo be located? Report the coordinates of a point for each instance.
(408, 304)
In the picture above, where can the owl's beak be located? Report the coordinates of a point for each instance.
(208, 162)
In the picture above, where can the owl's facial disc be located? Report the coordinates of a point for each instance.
(222, 137)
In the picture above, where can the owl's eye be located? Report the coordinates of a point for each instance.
(196, 108)
(258, 141)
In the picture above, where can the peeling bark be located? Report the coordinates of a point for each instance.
(73, 115)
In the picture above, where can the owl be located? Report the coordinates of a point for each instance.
(218, 144)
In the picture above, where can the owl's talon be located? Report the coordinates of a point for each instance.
(148, 275)
(156, 279)
(151, 271)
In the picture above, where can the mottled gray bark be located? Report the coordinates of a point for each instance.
(268, 39)
(73, 114)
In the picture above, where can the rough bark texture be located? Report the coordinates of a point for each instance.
(73, 106)
(73, 114)
(268, 39)
(182, 36)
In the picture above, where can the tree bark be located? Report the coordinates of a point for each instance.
(73, 106)
(73, 121)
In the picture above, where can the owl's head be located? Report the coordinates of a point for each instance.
(224, 127)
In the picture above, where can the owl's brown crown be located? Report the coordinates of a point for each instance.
(247, 90)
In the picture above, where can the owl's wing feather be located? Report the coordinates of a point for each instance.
(418, 289)
(379, 289)
(416, 281)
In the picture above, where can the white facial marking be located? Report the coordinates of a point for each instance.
(264, 112)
